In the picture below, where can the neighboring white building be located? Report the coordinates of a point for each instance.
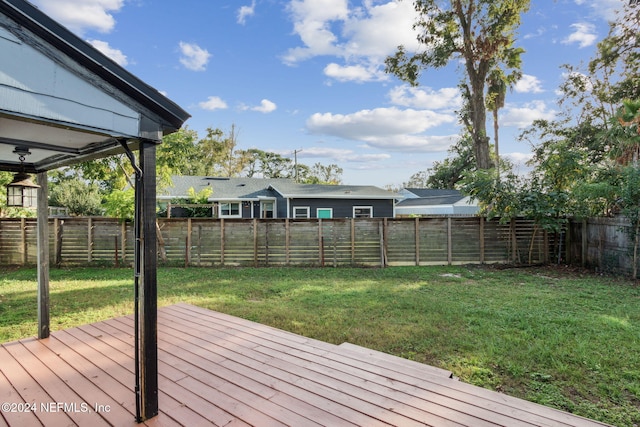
(425, 202)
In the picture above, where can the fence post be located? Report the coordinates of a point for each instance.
(23, 238)
(584, 248)
(187, 260)
(200, 246)
(449, 242)
(266, 243)
(353, 241)
(320, 243)
(255, 242)
(481, 239)
(89, 239)
(123, 241)
(383, 255)
(60, 234)
(222, 241)
(287, 241)
(56, 224)
(417, 242)
(514, 240)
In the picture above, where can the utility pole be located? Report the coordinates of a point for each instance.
(295, 163)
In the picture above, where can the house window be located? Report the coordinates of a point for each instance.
(363, 211)
(230, 210)
(324, 213)
(301, 212)
(266, 210)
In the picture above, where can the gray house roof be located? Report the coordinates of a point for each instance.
(431, 201)
(429, 193)
(255, 188)
(291, 190)
(223, 188)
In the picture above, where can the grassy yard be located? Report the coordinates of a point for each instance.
(553, 336)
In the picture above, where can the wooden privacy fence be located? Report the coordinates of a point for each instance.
(602, 244)
(267, 242)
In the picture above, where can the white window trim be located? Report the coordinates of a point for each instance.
(220, 215)
(363, 207)
(275, 208)
(306, 209)
(324, 209)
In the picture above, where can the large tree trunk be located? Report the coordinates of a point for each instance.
(495, 141)
(479, 123)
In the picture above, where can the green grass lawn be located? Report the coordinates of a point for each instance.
(565, 339)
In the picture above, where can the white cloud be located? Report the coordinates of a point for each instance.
(355, 73)
(341, 155)
(362, 36)
(82, 15)
(528, 84)
(246, 11)
(605, 9)
(522, 117)
(213, 103)
(115, 54)
(388, 128)
(193, 56)
(379, 121)
(583, 34)
(518, 158)
(377, 30)
(312, 21)
(265, 106)
(415, 143)
(425, 97)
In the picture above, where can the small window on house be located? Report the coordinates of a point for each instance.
(230, 210)
(324, 213)
(363, 211)
(266, 210)
(301, 212)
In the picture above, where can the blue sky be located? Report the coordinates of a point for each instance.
(308, 74)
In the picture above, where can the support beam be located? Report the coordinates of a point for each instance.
(148, 356)
(43, 256)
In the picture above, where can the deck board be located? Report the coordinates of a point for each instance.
(220, 370)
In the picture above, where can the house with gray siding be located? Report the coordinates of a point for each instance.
(279, 198)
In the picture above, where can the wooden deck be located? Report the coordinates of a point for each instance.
(216, 369)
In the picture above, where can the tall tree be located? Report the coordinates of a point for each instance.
(482, 34)
(178, 154)
(323, 174)
(80, 197)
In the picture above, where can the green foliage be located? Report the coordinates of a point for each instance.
(120, 204)
(201, 197)
(447, 173)
(81, 198)
(177, 155)
(497, 198)
(321, 174)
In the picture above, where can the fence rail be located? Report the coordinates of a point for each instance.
(265, 242)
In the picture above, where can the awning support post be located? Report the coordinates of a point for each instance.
(145, 276)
